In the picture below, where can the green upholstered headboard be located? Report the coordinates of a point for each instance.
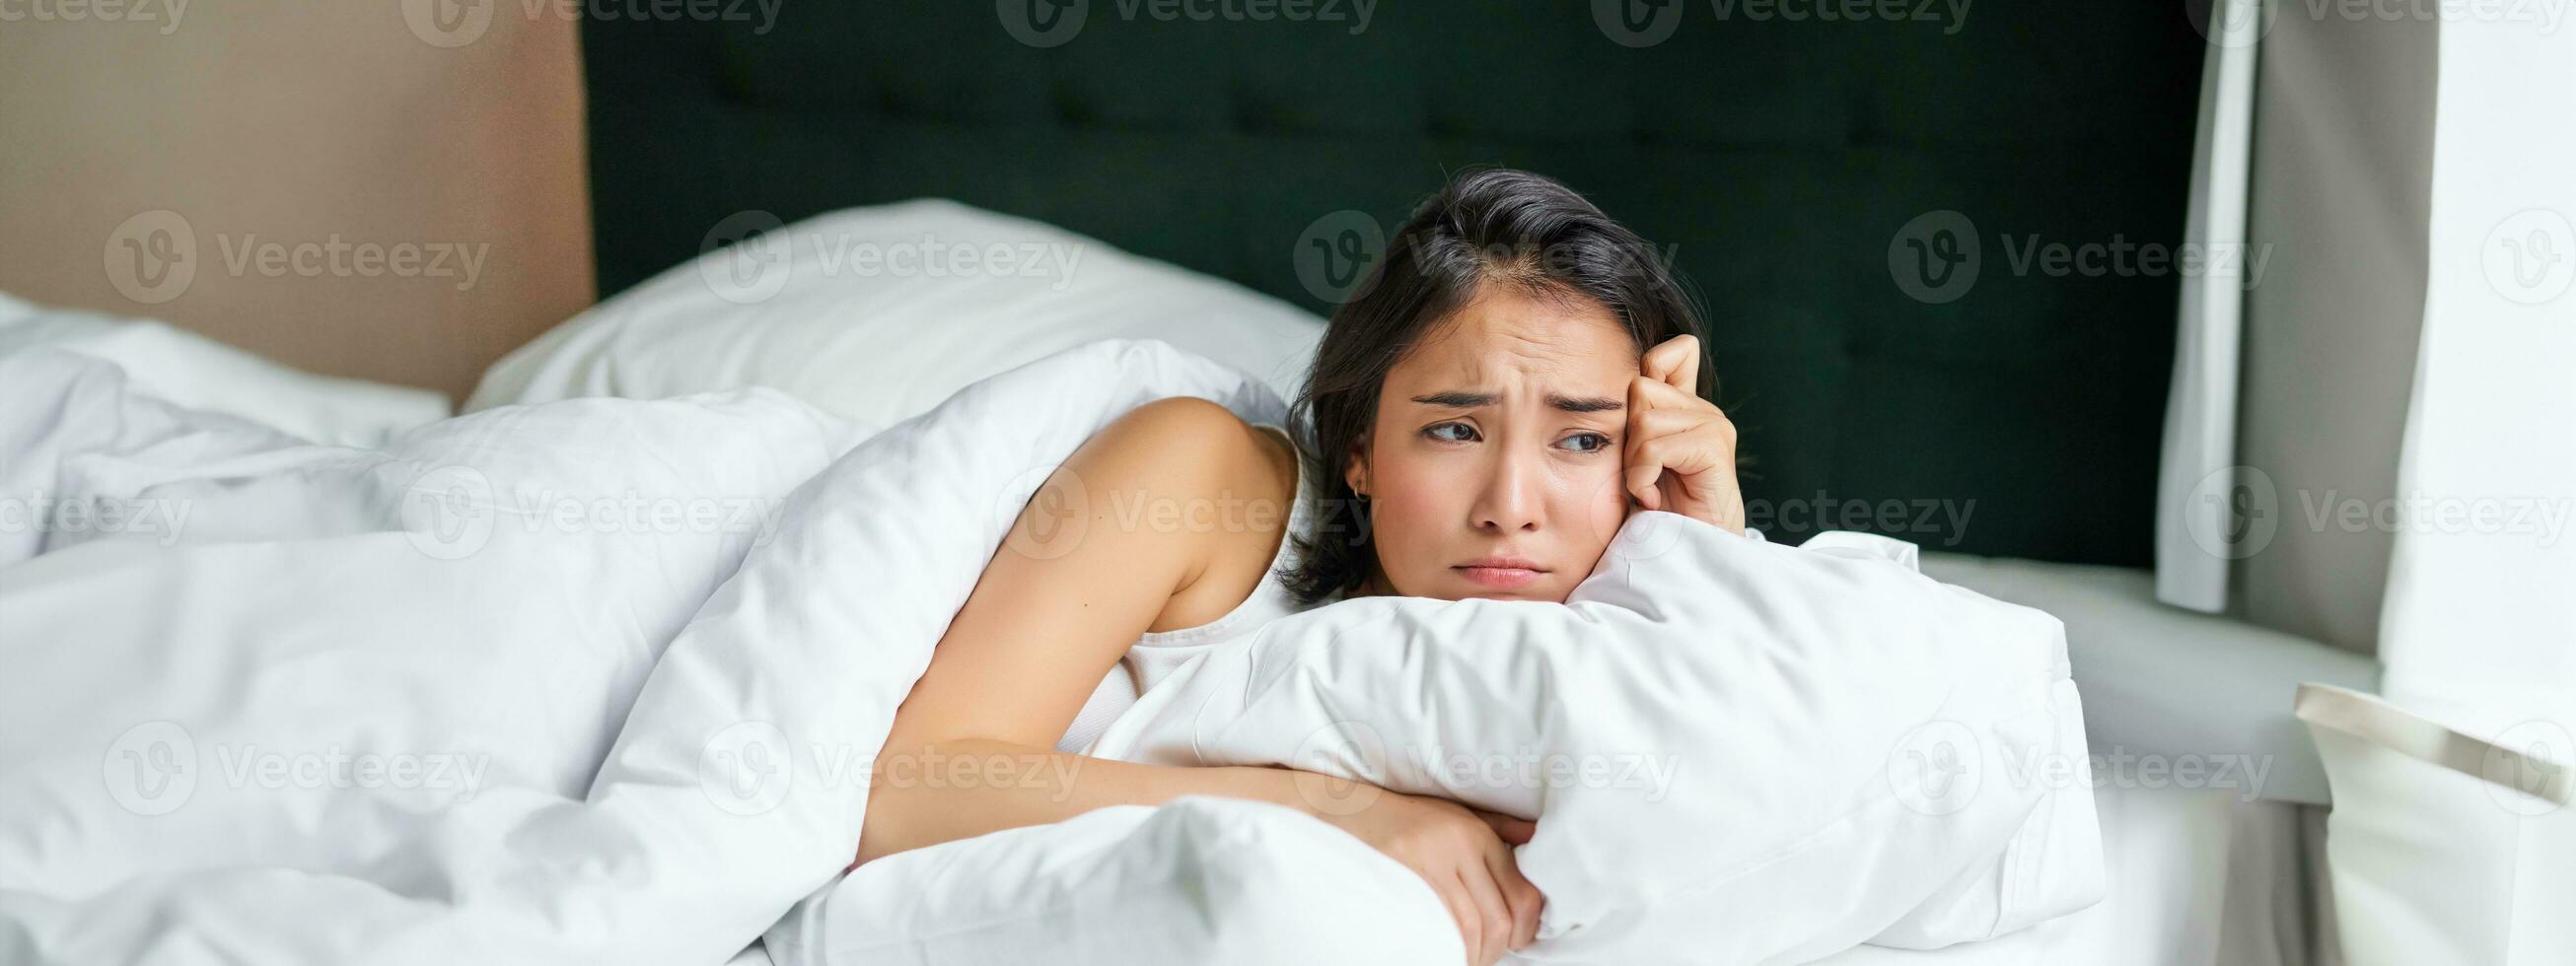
(1781, 160)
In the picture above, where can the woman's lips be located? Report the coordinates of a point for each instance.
(1500, 578)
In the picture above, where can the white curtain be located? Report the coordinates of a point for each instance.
(2371, 440)
(2197, 476)
(2481, 602)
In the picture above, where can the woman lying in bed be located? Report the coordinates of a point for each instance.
(1478, 420)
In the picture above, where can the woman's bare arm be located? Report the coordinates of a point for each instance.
(1092, 562)
(1087, 568)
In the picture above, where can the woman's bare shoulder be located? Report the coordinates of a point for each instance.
(1219, 478)
(1203, 441)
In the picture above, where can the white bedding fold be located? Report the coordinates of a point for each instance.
(667, 724)
(638, 802)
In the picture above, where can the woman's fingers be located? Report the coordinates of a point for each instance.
(1493, 915)
(1462, 907)
(1516, 831)
(1656, 423)
(1655, 408)
(1522, 898)
(1642, 395)
(1671, 430)
(1656, 394)
(1674, 363)
(1640, 474)
(1693, 449)
(1515, 923)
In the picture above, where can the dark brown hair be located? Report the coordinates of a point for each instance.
(1488, 226)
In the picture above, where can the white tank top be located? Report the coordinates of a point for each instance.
(1158, 653)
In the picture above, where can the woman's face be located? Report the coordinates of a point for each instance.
(1500, 437)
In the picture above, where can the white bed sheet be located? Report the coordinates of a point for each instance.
(2197, 877)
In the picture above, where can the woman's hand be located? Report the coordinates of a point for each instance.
(1680, 453)
(1466, 855)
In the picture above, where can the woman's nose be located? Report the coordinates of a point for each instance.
(1511, 499)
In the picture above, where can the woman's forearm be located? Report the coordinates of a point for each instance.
(959, 789)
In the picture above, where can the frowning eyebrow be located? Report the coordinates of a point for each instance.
(1463, 399)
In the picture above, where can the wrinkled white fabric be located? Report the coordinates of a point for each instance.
(420, 705)
(412, 706)
(201, 373)
(1199, 879)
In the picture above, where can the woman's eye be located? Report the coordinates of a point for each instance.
(1434, 432)
(1467, 433)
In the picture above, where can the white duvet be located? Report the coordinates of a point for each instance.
(598, 680)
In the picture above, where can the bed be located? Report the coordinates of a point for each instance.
(1816, 149)
(2215, 872)
(630, 685)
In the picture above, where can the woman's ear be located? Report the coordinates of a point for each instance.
(1355, 466)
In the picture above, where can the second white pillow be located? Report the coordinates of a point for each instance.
(878, 313)
(1736, 751)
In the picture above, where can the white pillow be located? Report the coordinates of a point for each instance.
(1745, 750)
(201, 373)
(1198, 879)
(1205, 879)
(873, 314)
